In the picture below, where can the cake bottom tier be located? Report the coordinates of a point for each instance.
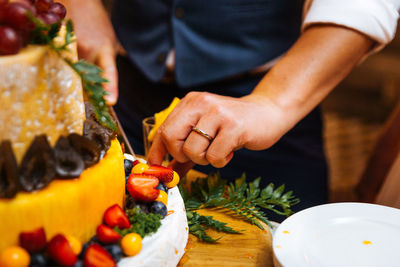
(165, 247)
(73, 207)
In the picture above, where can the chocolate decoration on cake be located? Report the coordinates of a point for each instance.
(38, 165)
(100, 135)
(9, 183)
(69, 164)
(88, 149)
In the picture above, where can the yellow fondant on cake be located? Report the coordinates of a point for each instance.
(39, 94)
(73, 207)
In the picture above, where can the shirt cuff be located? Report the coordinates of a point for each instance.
(374, 18)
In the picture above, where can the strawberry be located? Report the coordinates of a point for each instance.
(60, 250)
(135, 162)
(143, 187)
(33, 241)
(164, 174)
(97, 256)
(107, 235)
(115, 216)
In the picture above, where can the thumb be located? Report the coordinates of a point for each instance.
(157, 151)
(106, 61)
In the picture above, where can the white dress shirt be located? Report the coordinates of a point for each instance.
(374, 18)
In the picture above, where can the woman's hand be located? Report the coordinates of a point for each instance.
(97, 42)
(234, 123)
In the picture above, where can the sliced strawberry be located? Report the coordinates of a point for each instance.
(97, 256)
(107, 235)
(143, 187)
(164, 174)
(60, 250)
(33, 241)
(135, 162)
(114, 216)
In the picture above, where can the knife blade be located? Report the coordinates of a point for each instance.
(122, 135)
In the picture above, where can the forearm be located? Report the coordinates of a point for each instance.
(317, 62)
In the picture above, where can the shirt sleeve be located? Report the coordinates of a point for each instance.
(374, 18)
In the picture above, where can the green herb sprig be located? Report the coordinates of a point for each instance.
(141, 223)
(198, 224)
(242, 198)
(90, 74)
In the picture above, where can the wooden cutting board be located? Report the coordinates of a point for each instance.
(253, 247)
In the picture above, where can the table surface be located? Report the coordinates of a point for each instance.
(252, 247)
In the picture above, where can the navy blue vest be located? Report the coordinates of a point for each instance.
(212, 39)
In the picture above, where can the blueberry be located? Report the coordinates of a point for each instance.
(38, 260)
(143, 207)
(129, 202)
(85, 246)
(115, 251)
(94, 239)
(162, 187)
(158, 207)
(79, 264)
(128, 166)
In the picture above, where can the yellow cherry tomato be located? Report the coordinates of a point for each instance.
(162, 197)
(174, 182)
(14, 256)
(140, 168)
(75, 244)
(131, 244)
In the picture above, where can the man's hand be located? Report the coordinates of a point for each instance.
(316, 63)
(97, 42)
(232, 122)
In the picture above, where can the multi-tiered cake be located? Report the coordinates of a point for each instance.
(62, 173)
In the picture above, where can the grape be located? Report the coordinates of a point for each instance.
(48, 18)
(3, 7)
(10, 41)
(43, 6)
(16, 15)
(58, 9)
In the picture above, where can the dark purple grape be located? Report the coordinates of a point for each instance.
(162, 187)
(38, 260)
(42, 6)
(10, 41)
(58, 9)
(48, 18)
(16, 15)
(115, 251)
(158, 207)
(128, 167)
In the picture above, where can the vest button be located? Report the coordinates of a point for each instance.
(179, 12)
(161, 58)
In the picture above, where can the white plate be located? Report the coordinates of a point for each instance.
(339, 235)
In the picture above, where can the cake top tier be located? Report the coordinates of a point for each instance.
(40, 94)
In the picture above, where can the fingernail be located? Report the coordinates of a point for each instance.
(110, 99)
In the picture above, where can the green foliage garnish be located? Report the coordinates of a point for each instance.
(244, 199)
(198, 224)
(43, 34)
(141, 223)
(92, 83)
(90, 74)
